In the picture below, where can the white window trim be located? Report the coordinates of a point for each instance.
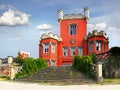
(80, 51)
(72, 50)
(99, 45)
(53, 47)
(46, 46)
(65, 50)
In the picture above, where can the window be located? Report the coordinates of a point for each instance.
(65, 51)
(46, 47)
(73, 28)
(80, 51)
(91, 46)
(53, 48)
(98, 46)
(104, 47)
(72, 51)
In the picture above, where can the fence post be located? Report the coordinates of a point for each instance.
(99, 72)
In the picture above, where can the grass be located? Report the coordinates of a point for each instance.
(4, 78)
(111, 81)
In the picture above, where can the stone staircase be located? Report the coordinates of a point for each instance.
(64, 74)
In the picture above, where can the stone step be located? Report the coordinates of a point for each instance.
(58, 73)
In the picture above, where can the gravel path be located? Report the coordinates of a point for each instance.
(30, 86)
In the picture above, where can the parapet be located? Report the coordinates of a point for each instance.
(51, 35)
(73, 16)
(61, 15)
(96, 33)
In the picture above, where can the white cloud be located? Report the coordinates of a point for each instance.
(98, 26)
(112, 28)
(44, 27)
(13, 18)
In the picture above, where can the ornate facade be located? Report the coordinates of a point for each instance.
(73, 40)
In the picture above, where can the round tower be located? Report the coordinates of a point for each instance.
(86, 13)
(60, 14)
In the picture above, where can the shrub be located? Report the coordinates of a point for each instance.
(82, 63)
(30, 66)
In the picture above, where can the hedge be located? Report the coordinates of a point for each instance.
(81, 63)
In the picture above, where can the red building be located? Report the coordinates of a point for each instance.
(73, 40)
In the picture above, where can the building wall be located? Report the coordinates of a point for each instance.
(50, 56)
(80, 34)
(104, 44)
(67, 38)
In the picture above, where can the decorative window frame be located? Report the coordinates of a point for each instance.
(72, 32)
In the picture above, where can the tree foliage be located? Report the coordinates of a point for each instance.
(115, 51)
(114, 59)
(113, 64)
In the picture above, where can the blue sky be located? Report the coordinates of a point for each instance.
(23, 21)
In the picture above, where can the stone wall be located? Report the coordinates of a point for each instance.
(96, 71)
(8, 67)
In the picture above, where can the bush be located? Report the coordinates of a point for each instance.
(20, 61)
(82, 63)
(94, 59)
(30, 66)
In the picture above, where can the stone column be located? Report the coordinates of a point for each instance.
(12, 73)
(99, 72)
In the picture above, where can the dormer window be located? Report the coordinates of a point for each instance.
(73, 28)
